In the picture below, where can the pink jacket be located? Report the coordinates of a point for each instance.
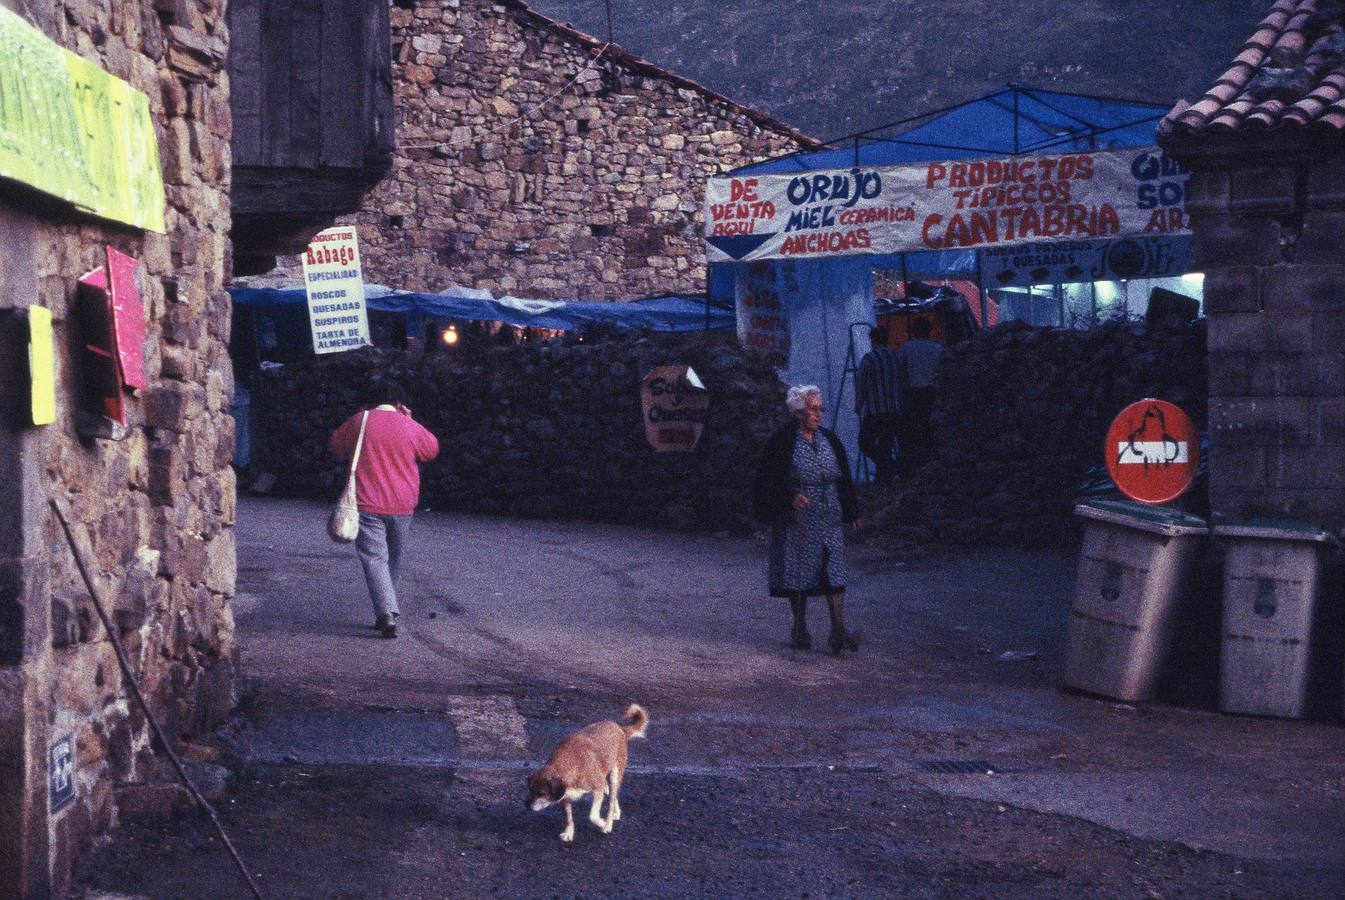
(387, 479)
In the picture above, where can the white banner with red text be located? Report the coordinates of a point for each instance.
(946, 205)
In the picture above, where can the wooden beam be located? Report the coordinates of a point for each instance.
(245, 80)
(275, 83)
(308, 88)
(342, 65)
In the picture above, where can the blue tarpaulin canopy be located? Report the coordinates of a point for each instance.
(672, 312)
(1010, 121)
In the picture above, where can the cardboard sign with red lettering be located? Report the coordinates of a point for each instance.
(676, 406)
(762, 322)
(1152, 451)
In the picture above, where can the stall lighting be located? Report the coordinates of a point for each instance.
(450, 335)
(1107, 293)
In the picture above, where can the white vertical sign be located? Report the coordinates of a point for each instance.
(335, 287)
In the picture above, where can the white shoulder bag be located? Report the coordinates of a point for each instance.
(344, 523)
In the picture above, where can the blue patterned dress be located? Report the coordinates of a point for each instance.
(808, 551)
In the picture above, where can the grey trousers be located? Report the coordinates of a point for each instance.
(379, 546)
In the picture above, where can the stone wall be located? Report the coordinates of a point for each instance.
(1271, 240)
(552, 430)
(157, 502)
(510, 177)
(1020, 418)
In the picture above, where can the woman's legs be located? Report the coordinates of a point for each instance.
(372, 548)
(800, 639)
(840, 639)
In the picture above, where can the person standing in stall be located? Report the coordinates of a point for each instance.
(918, 359)
(878, 404)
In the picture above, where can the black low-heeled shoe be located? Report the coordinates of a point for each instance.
(841, 641)
(801, 640)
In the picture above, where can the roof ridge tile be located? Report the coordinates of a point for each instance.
(1290, 73)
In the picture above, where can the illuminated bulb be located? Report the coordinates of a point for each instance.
(450, 336)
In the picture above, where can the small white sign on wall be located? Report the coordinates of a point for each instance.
(61, 772)
(335, 287)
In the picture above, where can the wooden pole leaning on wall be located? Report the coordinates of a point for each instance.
(61, 507)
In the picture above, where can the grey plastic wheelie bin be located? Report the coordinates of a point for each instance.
(1133, 565)
(1272, 571)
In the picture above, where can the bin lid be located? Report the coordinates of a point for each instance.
(1154, 519)
(1273, 530)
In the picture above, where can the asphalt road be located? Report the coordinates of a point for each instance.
(923, 766)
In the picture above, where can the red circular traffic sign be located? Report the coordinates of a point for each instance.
(1152, 451)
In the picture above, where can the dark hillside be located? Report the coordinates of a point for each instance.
(836, 68)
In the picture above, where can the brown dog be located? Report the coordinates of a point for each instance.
(590, 761)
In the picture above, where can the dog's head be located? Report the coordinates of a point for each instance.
(543, 791)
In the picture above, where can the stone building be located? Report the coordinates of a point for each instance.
(536, 160)
(155, 497)
(1267, 201)
(115, 128)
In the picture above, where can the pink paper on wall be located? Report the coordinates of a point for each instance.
(128, 319)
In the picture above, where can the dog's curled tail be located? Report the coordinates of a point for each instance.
(639, 721)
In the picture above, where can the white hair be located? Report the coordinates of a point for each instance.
(799, 394)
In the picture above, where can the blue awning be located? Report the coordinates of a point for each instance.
(1010, 121)
(671, 312)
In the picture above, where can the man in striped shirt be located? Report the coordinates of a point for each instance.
(878, 403)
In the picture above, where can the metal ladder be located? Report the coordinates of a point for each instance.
(851, 371)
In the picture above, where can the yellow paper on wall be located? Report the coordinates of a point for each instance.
(41, 365)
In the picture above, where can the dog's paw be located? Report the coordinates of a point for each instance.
(607, 827)
(567, 835)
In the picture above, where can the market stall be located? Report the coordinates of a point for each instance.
(1015, 189)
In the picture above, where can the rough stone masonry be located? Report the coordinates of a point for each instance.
(524, 166)
(157, 502)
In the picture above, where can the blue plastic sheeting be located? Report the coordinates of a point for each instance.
(929, 263)
(673, 312)
(1013, 120)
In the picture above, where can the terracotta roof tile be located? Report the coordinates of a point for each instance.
(1289, 74)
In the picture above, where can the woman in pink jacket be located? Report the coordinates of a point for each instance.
(387, 489)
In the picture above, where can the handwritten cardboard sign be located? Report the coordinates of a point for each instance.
(762, 321)
(676, 407)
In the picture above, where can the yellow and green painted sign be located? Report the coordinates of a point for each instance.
(70, 129)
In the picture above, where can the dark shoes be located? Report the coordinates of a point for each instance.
(842, 640)
(801, 639)
(387, 625)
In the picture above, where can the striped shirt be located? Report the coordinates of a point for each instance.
(877, 387)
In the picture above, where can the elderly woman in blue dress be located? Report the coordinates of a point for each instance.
(804, 492)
